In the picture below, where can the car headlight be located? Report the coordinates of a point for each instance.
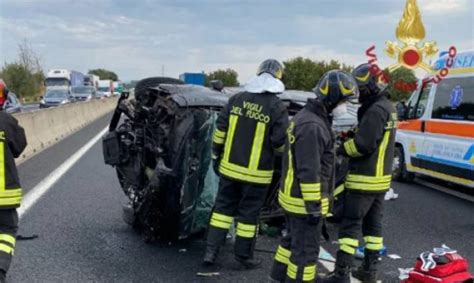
(64, 102)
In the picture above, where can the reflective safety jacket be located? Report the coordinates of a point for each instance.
(372, 147)
(250, 129)
(12, 144)
(308, 163)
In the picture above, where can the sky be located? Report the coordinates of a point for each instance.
(142, 38)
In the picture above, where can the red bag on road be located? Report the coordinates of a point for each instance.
(448, 268)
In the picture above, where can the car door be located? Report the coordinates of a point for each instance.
(411, 129)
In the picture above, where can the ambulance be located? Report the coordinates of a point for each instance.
(436, 135)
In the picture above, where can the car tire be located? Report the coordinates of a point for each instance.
(400, 172)
(143, 85)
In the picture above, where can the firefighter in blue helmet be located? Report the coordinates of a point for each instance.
(308, 177)
(371, 152)
(12, 144)
(250, 133)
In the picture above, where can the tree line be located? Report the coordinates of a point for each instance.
(303, 73)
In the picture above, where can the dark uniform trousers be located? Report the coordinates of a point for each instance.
(297, 254)
(8, 229)
(361, 210)
(242, 201)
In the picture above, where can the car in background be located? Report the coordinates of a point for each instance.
(56, 97)
(13, 104)
(295, 100)
(83, 93)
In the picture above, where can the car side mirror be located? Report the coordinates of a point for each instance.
(402, 111)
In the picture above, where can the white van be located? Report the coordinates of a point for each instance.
(436, 136)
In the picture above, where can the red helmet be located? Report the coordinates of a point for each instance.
(3, 93)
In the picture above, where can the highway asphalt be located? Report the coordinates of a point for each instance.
(82, 237)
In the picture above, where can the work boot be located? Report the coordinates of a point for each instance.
(211, 255)
(341, 274)
(248, 262)
(367, 272)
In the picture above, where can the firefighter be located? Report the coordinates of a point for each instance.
(308, 177)
(371, 152)
(250, 133)
(12, 144)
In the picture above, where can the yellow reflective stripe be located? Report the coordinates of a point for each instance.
(309, 272)
(6, 248)
(373, 243)
(289, 174)
(221, 221)
(311, 192)
(8, 238)
(256, 151)
(373, 239)
(228, 144)
(292, 270)
(349, 242)
(310, 187)
(10, 201)
(348, 249)
(222, 217)
(280, 149)
(368, 183)
(282, 255)
(348, 245)
(220, 134)
(339, 190)
(291, 204)
(218, 140)
(367, 187)
(311, 197)
(368, 179)
(374, 247)
(381, 157)
(324, 206)
(351, 148)
(2, 166)
(245, 174)
(246, 230)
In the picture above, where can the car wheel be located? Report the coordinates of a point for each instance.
(399, 169)
(143, 85)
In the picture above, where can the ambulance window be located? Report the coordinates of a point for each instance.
(454, 99)
(417, 104)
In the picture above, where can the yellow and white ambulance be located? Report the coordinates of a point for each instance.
(436, 136)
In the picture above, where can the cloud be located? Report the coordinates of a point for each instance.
(443, 6)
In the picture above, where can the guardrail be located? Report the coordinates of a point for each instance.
(46, 127)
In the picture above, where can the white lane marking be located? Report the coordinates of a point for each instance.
(47, 183)
(330, 265)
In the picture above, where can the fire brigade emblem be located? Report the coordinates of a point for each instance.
(410, 32)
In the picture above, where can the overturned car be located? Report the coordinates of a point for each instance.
(160, 144)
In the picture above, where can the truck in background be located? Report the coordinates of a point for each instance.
(91, 80)
(105, 88)
(62, 78)
(118, 88)
(193, 78)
